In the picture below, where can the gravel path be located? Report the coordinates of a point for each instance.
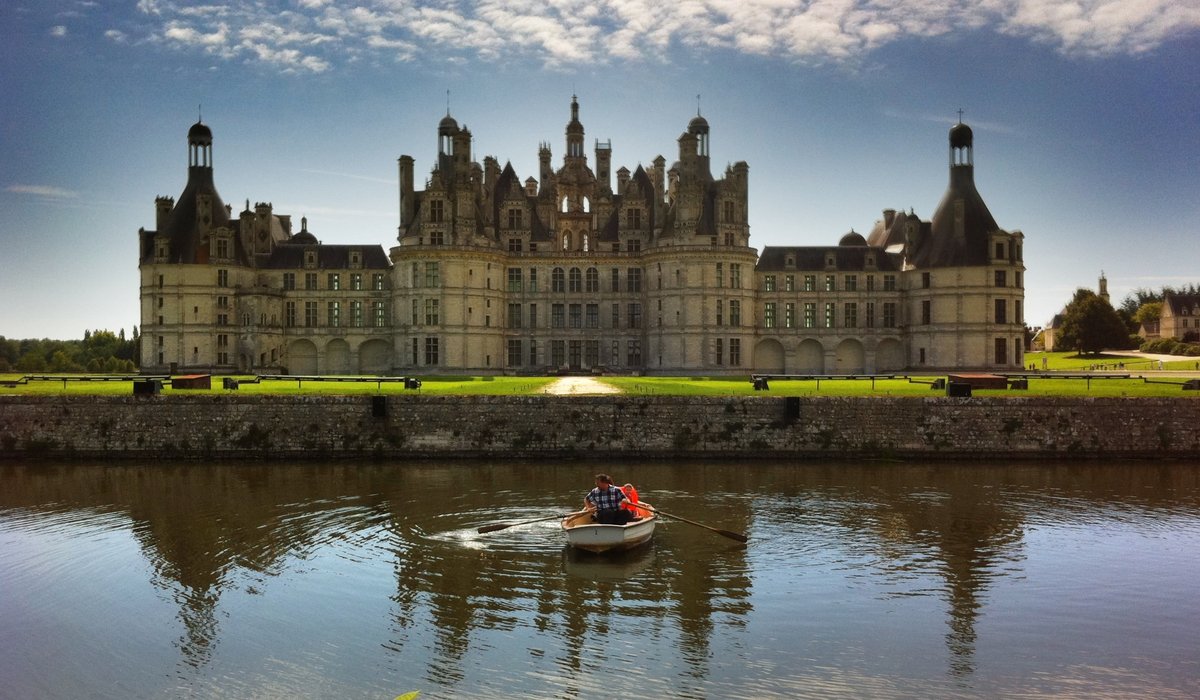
(579, 386)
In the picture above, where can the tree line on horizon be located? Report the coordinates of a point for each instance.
(100, 351)
(1091, 325)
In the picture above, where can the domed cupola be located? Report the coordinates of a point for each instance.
(698, 127)
(305, 236)
(199, 209)
(574, 131)
(962, 224)
(447, 131)
(853, 238)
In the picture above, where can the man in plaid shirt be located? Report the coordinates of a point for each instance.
(605, 501)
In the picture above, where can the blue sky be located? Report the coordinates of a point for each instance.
(1086, 116)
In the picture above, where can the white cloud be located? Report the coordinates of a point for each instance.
(47, 191)
(116, 36)
(58, 31)
(317, 35)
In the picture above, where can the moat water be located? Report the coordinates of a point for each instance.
(881, 580)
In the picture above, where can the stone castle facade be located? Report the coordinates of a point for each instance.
(649, 273)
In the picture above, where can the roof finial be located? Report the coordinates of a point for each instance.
(697, 105)
(447, 102)
(200, 113)
(960, 113)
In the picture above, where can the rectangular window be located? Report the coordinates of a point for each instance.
(735, 313)
(533, 317)
(516, 219)
(533, 352)
(334, 281)
(437, 210)
(1001, 311)
(634, 245)
(310, 280)
(810, 283)
(851, 283)
(415, 349)
(514, 245)
(926, 312)
(432, 312)
(432, 275)
(1017, 278)
(222, 278)
(718, 351)
(616, 315)
(592, 278)
(926, 280)
(633, 279)
(289, 280)
(416, 314)
(789, 315)
(1001, 351)
(310, 314)
(999, 251)
(514, 316)
(870, 283)
(356, 281)
(850, 315)
(635, 315)
(591, 353)
(379, 313)
(769, 283)
(415, 279)
(335, 314)
(889, 315)
(515, 352)
(431, 351)
(889, 283)
(1001, 278)
(829, 314)
(356, 314)
(720, 275)
(377, 281)
(720, 312)
(593, 315)
(633, 356)
(558, 353)
(810, 315)
(514, 279)
(870, 318)
(533, 282)
(574, 353)
(1017, 317)
(558, 316)
(575, 316)
(769, 315)
(222, 248)
(735, 276)
(615, 280)
(789, 283)
(735, 352)
(576, 280)
(830, 283)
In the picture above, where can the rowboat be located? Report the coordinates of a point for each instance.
(584, 533)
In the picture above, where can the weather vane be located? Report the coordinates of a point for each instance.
(697, 105)
(960, 113)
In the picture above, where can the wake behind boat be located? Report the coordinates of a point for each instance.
(584, 533)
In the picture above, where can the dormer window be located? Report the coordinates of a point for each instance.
(355, 258)
(310, 258)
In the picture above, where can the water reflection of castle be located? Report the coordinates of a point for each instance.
(206, 529)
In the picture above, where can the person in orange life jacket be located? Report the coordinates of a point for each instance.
(632, 494)
(605, 502)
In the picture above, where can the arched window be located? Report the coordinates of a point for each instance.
(576, 280)
(563, 208)
(566, 240)
(558, 280)
(593, 280)
(587, 204)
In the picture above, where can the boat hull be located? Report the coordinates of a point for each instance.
(583, 533)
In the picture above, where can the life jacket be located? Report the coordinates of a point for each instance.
(631, 494)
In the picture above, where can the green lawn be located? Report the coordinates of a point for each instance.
(638, 386)
(1070, 361)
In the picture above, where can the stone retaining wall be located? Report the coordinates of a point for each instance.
(412, 426)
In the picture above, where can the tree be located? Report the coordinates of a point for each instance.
(1090, 324)
(1150, 311)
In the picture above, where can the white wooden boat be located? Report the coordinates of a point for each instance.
(584, 533)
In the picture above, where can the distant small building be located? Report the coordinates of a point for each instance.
(1180, 317)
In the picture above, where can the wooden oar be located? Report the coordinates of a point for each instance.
(501, 526)
(724, 533)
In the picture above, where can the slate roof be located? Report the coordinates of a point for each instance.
(812, 258)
